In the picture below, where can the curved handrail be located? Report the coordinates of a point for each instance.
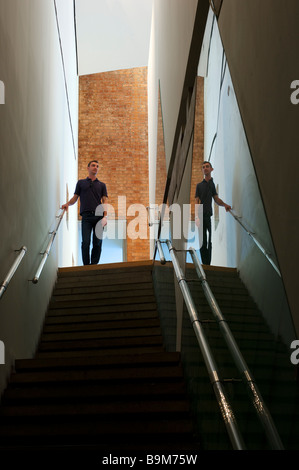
(48, 249)
(258, 244)
(11, 272)
(223, 402)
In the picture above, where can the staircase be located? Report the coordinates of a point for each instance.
(101, 378)
(267, 356)
(105, 377)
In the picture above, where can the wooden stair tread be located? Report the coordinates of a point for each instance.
(101, 333)
(112, 267)
(164, 407)
(110, 374)
(100, 317)
(102, 427)
(103, 343)
(142, 299)
(164, 358)
(94, 352)
(106, 392)
(101, 325)
(96, 293)
(114, 308)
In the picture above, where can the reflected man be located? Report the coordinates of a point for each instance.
(205, 192)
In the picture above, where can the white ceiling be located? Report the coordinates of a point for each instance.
(112, 34)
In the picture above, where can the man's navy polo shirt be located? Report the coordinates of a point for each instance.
(205, 191)
(90, 193)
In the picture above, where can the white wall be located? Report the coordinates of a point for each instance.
(152, 93)
(38, 135)
(171, 34)
(173, 28)
(112, 34)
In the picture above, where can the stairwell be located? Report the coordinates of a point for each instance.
(101, 377)
(105, 376)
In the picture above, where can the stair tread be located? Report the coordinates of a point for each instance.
(121, 349)
(101, 325)
(112, 409)
(110, 374)
(112, 267)
(101, 334)
(115, 308)
(103, 317)
(142, 299)
(104, 343)
(144, 359)
(95, 293)
(103, 428)
(103, 391)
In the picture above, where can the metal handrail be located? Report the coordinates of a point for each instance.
(223, 402)
(22, 251)
(161, 253)
(258, 244)
(48, 249)
(257, 399)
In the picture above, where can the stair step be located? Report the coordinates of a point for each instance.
(96, 285)
(97, 293)
(103, 451)
(164, 359)
(163, 408)
(101, 374)
(101, 325)
(100, 334)
(86, 352)
(102, 302)
(112, 268)
(105, 392)
(93, 430)
(104, 277)
(101, 317)
(115, 308)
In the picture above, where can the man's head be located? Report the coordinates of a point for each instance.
(93, 161)
(93, 167)
(207, 169)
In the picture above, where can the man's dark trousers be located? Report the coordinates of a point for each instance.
(89, 222)
(206, 249)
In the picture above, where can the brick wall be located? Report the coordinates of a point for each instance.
(113, 123)
(113, 129)
(198, 143)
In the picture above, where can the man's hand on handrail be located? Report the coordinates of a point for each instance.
(72, 201)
